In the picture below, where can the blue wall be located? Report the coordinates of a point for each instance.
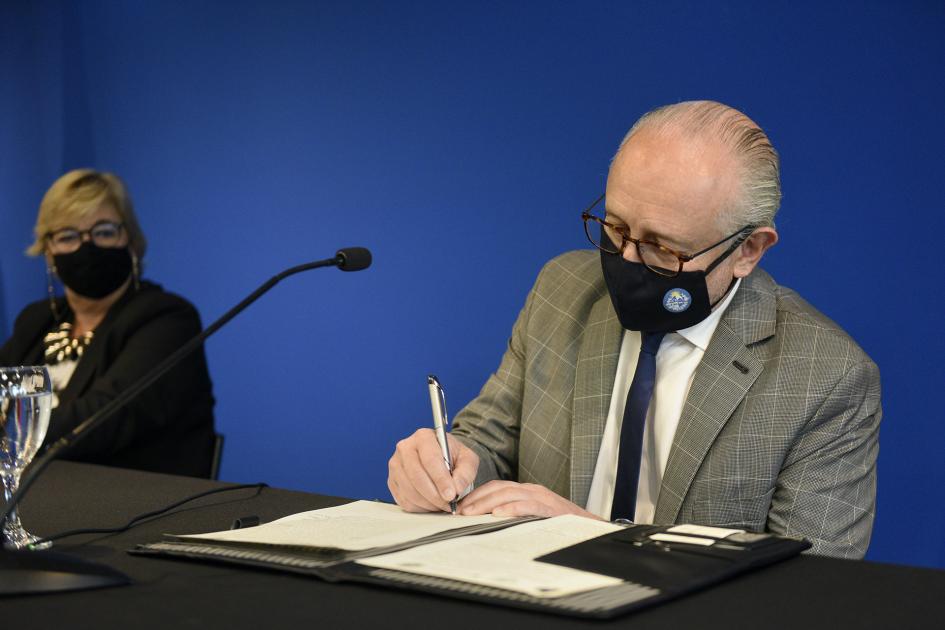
(458, 142)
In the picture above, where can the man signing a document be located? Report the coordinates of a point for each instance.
(663, 376)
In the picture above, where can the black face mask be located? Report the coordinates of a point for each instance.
(93, 271)
(649, 302)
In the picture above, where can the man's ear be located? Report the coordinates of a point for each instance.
(751, 251)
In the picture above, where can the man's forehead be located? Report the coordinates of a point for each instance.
(669, 176)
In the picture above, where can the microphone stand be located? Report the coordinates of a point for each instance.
(29, 571)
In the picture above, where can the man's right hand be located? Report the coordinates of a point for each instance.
(417, 477)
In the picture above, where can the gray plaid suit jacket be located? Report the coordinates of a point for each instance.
(788, 447)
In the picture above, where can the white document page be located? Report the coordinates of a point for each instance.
(703, 530)
(506, 558)
(351, 527)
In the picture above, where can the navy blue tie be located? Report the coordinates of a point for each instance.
(631, 431)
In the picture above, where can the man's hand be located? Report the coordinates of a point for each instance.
(509, 498)
(417, 477)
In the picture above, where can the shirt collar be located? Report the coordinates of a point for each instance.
(700, 334)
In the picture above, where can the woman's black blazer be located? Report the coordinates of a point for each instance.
(169, 426)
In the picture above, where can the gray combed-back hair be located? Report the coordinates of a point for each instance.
(760, 195)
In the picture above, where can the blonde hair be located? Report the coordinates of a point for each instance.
(77, 194)
(760, 179)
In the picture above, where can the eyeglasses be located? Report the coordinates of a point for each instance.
(68, 240)
(613, 239)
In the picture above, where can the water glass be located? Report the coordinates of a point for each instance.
(25, 405)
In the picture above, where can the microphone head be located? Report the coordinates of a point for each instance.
(353, 258)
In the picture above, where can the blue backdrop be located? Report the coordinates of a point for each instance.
(459, 142)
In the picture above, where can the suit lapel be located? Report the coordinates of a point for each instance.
(85, 370)
(718, 387)
(26, 344)
(94, 356)
(593, 383)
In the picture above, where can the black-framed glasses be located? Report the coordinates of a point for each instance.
(68, 240)
(665, 261)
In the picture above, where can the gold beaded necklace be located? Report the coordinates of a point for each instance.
(60, 346)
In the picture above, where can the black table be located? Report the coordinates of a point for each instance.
(805, 592)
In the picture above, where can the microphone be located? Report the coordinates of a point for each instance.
(353, 258)
(347, 259)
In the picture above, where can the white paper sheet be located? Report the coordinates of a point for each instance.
(505, 559)
(351, 527)
(689, 540)
(704, 530)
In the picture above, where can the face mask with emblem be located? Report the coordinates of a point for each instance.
(650, 302)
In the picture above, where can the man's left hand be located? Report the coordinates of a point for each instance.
(509, 498)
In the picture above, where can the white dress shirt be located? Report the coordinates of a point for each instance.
(676, 361)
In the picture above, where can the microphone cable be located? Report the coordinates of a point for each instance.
(137, 520)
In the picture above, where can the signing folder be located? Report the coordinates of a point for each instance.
(566, 564)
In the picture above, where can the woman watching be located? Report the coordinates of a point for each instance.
(109, 330)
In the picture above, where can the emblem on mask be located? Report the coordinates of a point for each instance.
(677, 300)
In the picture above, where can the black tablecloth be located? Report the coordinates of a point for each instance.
(805, 592)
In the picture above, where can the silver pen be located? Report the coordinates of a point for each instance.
(440, 420)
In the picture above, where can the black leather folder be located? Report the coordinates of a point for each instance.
(652, 571)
